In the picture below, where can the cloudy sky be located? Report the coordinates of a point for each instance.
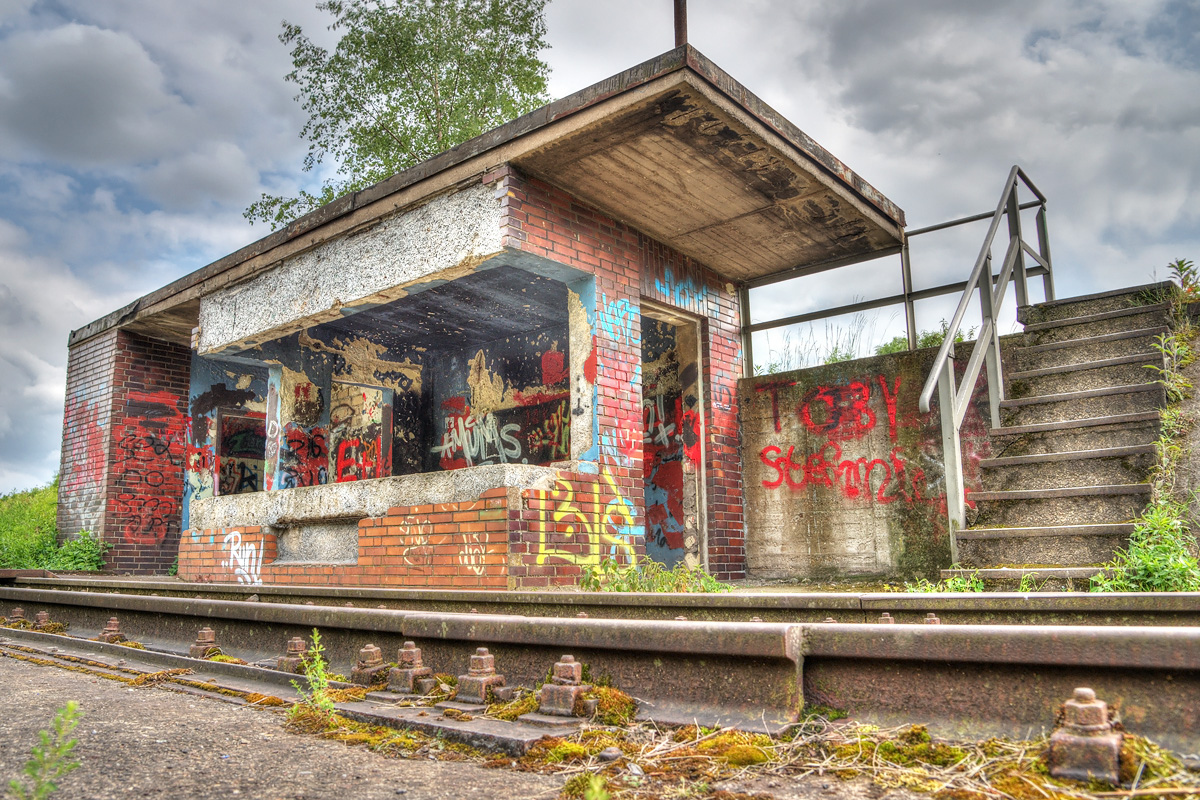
(134, 132)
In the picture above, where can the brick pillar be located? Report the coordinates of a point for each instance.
(83, 472)
(147, 453)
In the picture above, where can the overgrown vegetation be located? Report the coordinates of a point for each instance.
(406, 81)
(1161, 556)
(28, 534)
(315, 709)
(926, 338)
(648, 575)
(51, 757)
(845, 343)
(955, 583)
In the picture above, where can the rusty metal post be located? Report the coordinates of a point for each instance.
(1044, 250)
(1014, 233)
(910, 311)
(473, 687)
(1086, 747)
(680, 23)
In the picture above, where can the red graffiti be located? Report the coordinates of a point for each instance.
(304, 458)
(589, 366)
(538, 398)
(85, 461)
(839, 412)
(689, 434)
(884, 481)
(357, 460)
(150, 452)
(554, 370)
(889, 399)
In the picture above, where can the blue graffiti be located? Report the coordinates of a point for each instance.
(685, 293)
(616, 318)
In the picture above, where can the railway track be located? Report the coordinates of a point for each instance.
(960, 679)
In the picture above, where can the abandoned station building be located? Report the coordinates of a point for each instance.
(516, 359)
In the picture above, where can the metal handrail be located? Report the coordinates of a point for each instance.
(954, 402)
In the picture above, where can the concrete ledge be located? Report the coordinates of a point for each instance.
(362, 499)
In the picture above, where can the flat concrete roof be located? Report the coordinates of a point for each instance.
(674, 147)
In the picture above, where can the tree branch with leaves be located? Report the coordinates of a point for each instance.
(407, 80)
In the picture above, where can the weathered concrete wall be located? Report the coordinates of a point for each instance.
(460, 230)
(844, 475)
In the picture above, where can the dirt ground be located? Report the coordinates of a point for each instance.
(152, 742)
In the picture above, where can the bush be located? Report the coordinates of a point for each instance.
(932, 338)
(29, 539)
(648, 575)
(28, 527)
(1160, 555)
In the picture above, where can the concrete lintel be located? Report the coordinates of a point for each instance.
(446, 237)
(358, 500)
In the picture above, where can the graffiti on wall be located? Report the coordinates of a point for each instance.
(83, 464)
(418, 546)
(533, 434)
(585, 524)
(835, 417)
(245, 559)
(241, 450)
(303, 457)
(671, 441)
(151, 448)
(357, 419)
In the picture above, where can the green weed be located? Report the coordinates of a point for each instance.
(315, 708)
(956, 583)
(1159, 557)
(648, 575)
(51, 758)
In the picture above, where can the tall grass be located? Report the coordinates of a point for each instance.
(28, 534)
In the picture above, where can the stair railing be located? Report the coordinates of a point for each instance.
(954, 401)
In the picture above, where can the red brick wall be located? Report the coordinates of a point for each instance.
(86, 420)
(629, 266)
(447, 545)
(148, 449)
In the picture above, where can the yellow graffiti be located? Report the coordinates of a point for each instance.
(597, 524)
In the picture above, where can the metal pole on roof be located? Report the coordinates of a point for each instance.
(680, 23)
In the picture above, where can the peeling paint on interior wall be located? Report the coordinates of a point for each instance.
(364, 361)
(487, 388)
(583, 390)
(445, 238)
(300, 398)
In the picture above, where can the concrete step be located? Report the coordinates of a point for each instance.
(1115, 300)
(1073, 505)
(1092, 348)
(1047, 578)
(1090, 403)
(1122, 371)
(1100, 324)
(1102, 467)
(1124, 430)
(1065, 545)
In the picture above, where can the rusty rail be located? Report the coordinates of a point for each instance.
(992, 608)
(970, 680)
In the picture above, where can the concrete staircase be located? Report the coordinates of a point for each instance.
(1071, 463)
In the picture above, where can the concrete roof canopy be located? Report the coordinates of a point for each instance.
(673, 147)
